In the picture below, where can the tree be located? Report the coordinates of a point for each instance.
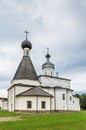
(77, 95)
(83, 101)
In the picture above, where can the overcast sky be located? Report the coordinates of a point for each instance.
(57, 24)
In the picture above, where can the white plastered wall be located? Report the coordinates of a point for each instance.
(50, 91)
(20, 89)
(76, 103)
(21, 103)
(59, 103)
(11, 93)
(48, 71)
(0, 103)
(26, 82)
(47, 104)
(4, 105)
(51, 81)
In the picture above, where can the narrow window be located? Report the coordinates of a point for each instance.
(29, 104)
(63, 97)
(51, 73)
(43, 104)
(70, 98)
(45, 72)
(27, 52)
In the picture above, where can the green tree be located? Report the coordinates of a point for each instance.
(83, 101)
(77, 95)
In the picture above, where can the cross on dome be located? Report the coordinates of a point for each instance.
(26, 32)
(47, 50)
(26, 43)
(47, 55)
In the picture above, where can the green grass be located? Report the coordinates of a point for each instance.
(8, 114)
(57, 121)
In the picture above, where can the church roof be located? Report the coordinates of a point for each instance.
(37, 91)
(26, 70)
(48, 64)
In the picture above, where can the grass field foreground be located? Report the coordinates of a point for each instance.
(57, 121)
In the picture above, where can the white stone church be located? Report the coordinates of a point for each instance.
(44, 93)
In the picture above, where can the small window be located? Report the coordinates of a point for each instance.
(27, 52)
(29, 104)
(63, 97)
(51, 73)
(70, 98)
(43, 104)
(45, 73)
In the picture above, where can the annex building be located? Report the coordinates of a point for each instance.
(44, 93)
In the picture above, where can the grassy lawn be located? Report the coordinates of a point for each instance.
(57, 121)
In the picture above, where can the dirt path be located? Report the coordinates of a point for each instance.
(2, 119)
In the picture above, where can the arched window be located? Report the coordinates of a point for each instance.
(45, 73)
(70, 98)
(51, 73)
(26, 52)
(63, 96)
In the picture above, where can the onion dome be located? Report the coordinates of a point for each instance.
(26, 44)
(48, 63)
(48, 56)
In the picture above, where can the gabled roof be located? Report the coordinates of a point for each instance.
(37, 91)
(25, 70)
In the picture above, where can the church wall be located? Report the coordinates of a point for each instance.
(50, 81)
(48, 71)
(20, 89)
(11, 99)
(50, 91)
(75, 104)
(21, 103)
(4, 105)
(0, 103)
(60, 103)
(47, 100)
(26, 82)
(57, 102)
(70, 101)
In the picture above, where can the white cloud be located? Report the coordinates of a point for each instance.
(3, 93)
(58, 24)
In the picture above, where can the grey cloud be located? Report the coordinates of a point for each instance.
(57, 24)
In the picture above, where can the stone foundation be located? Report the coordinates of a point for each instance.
(42, 112)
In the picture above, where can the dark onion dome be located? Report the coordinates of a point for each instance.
(48, 56)
(26, 44)
(48, 64)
